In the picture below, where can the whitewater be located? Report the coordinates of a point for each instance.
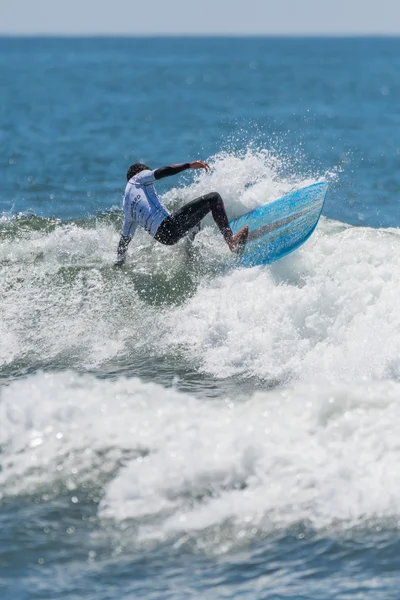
(301, 359)
(327, 312)
(180, 427)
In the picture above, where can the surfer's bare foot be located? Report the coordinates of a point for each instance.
(239, 239)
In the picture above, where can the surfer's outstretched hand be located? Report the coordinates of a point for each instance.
(199, 164)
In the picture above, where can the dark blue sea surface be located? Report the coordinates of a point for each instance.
(178, 428)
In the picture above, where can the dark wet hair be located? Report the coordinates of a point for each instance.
(135, 169)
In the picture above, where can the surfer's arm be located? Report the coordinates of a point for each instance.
(175, 169)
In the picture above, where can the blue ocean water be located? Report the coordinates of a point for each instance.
(178, 429)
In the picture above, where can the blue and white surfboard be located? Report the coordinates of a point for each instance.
(281, 226)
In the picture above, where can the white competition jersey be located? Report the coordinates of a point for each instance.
(141, 205)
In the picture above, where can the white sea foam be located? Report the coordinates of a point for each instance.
(327, 312)
(330, 311)
(180, 466)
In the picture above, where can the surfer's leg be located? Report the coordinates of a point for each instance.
(191, 234)
(177, 225)
(174, 227)
(221, 219)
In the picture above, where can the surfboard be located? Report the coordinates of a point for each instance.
(280, 227)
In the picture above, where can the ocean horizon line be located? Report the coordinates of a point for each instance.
(233, 35)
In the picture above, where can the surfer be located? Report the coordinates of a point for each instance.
(142, 207)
